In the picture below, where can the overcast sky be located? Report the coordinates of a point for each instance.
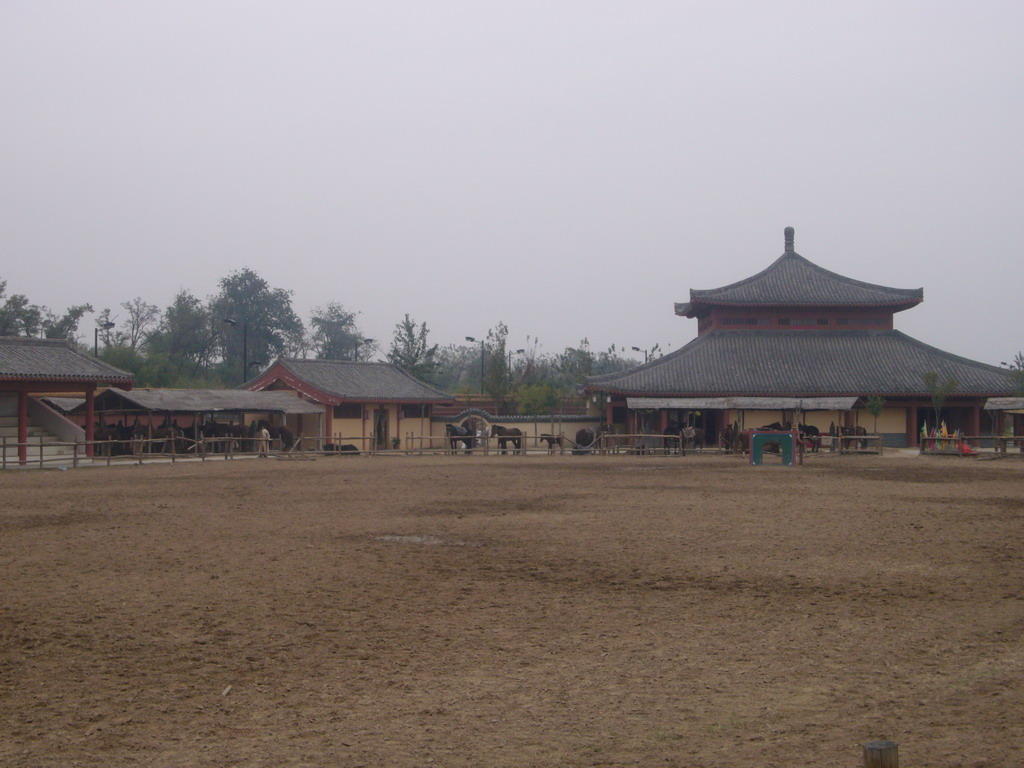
(571, 168)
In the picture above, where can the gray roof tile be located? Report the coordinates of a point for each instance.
(359, 381)
(803, 363)
(54, 360)
(793, 281)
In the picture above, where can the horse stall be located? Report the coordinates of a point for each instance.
(192, 423)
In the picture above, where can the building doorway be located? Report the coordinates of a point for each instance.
(380, 430)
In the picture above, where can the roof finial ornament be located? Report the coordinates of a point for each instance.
(788, 232)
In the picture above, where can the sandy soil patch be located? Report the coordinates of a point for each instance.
(500, 611)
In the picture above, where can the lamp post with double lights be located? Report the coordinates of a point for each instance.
(96, 337)
(637, 349)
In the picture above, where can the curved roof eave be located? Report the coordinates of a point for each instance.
(804, 363)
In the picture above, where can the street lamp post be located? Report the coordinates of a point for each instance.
(472, 340)
(245, 346)
(96, 337)
(637, 349)
(357, 343)
(518, 352)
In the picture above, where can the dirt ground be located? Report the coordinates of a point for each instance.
(508, 611)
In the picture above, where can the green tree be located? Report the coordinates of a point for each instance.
(142, 319)
(497, 382)
(335, 335)
(939, 391)
(536, 399)
(264, 320)
(574, 365)
(18, 316)
(458, 368)
(65, 326)
(1017, 374)
(411, 351)
(187, 336)
(875, 406)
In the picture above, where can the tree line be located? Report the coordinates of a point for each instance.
(229, 337)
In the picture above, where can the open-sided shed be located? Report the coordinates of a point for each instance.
(187, 408)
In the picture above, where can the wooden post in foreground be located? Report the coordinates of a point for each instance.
(881, 754)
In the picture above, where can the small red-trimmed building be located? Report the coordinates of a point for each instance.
(796, 342)
(32, 367)
(371, 404)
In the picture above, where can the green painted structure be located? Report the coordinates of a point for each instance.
(787, 442)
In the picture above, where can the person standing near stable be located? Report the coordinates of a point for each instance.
(264, 434)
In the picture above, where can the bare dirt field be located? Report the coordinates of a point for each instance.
(500, 611)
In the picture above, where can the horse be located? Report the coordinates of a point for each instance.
(694, 437)
(552, 441)
(855, 432)
(346, 449)
(113, 440)
(587, 438)
(169, 435)
(810, 435)
(672, 434)
(508, 435)
(458, 433)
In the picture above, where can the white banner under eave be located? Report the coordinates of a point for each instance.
(742, 403)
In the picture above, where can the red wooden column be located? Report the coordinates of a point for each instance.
(911, 420)
(90, 419)
(22, 426)
(974, 421)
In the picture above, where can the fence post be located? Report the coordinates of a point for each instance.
(881, 754)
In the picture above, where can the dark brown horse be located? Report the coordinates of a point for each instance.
(587, 438)
(457, 433)
(854, 432)
(508, 435)
(552, 441)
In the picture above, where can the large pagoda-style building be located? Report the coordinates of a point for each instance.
(797, 342)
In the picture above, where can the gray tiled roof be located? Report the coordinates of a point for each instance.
(792, 280)
(204, 401)
(55, 360)
(361, 381)
(803, 363)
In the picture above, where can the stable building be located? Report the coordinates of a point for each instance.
(798, 343)
(373, 405)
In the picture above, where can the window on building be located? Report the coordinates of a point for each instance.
(348, 411)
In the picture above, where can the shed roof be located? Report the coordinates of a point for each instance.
(744, 403)
(802, 364)
(793, 281)
(1005, 404)
(204, 401)
(343, 380)
(53, 361)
